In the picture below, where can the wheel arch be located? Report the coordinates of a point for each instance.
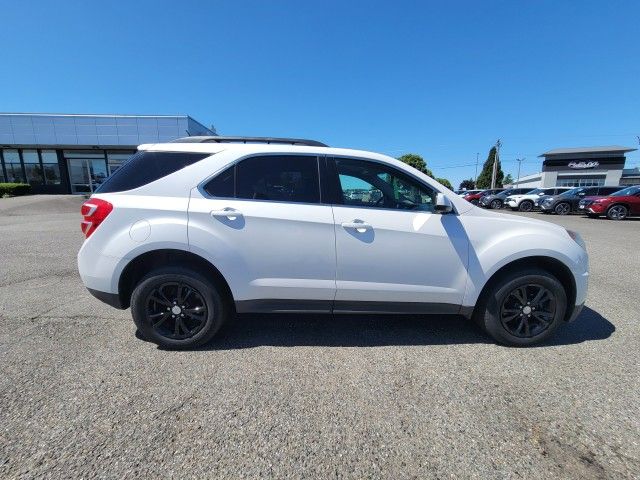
(552, 265)
(139, 266)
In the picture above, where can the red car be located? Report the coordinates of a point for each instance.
(475, 197)
(617, 206)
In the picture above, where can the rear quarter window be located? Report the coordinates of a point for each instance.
(146, 167)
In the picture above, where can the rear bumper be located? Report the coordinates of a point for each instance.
(111, 299)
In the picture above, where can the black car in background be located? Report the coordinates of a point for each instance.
(497, 199)
(568, 201)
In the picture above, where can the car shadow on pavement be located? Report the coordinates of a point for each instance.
(288, 330)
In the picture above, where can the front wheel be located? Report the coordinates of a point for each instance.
(617, 212)
(474, 202)
(495, 204)
(177, 308)
(522, 308)
(526, 206)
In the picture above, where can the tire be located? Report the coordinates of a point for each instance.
(494, 310)
(562, 208)
(474, 202)
(495, 204)
(186, 324)
(526, 206)
(617, 212)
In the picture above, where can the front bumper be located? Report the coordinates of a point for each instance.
(512, 203)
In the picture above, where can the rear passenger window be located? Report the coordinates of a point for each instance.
(285, 178)
(146, 167)
(223, 184)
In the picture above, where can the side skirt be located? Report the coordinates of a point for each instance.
(342, 306)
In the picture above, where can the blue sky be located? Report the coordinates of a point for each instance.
(444, 79)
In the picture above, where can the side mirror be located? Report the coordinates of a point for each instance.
(443, 204)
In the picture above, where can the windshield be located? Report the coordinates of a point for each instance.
(573, 191)
(626, 191)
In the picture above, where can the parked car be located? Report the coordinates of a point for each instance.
(527, 202)
(464, 193)
(568, 201)
(617, 206)
(497, 200)
(188, 233)
(474, 198)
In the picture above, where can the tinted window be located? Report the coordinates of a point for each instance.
(223, 184)
(607, 190)
(146, 167)
(370, 184)
(285, 178)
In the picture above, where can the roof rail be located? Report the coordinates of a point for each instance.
(217, 139)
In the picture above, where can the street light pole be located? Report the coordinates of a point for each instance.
(519, 160)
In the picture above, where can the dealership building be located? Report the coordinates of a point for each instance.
(74, 153)
(582, 167)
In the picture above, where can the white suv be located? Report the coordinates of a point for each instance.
(189, 232)
(526, 202)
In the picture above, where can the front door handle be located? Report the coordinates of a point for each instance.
(230, 213)
(358, 225)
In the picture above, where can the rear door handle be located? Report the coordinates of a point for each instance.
(358, 225)
(230, 213)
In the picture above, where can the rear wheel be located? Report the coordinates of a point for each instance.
(563, 208)
(495, 204)
(617, 212)
(177, 308)
(522, 308)
(474, 202)
(526, 206)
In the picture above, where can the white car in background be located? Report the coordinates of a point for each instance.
(527, 202)
(189, 232)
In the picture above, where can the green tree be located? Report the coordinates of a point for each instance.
(467, 184)
(508, 179)
(484, 179)
(417, 162)
(445, 182)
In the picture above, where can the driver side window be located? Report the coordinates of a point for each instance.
(371, 184)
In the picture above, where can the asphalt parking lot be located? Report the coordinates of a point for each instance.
(308, 396)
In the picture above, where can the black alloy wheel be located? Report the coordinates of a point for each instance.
(176, 310)
(528, 310)
(526, 206)
(177, 307)
(495, 204)
(522, 307)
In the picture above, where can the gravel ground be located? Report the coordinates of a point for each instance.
(307, 396)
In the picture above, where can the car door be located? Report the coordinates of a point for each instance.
(263, 225)
(393, 252)
(634, 203)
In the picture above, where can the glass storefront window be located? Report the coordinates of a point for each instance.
(13, 167)
(32, 167)
(50, 167)
(30, 156)
(116, 159)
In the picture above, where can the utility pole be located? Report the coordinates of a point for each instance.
(494, 173)
(475, 179)
(519, 160)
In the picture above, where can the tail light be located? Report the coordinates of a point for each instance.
(93, 211)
